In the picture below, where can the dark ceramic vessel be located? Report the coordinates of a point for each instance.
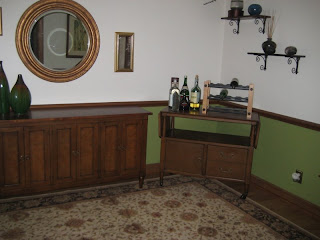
(20, 97)
(269, 46)
(254, 9)
(290, 51)
(4, 92)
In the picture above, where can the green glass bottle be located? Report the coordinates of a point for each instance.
(20, 97)
(4, 92)
(195, 95)
(223, 94)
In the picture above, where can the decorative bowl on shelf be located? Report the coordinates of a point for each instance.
(254, 9)
(290, 51)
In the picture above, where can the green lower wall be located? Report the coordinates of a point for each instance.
(282, 149)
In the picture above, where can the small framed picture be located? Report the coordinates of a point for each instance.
(77, 38)
(0, 21)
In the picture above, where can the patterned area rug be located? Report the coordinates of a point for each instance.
(185, 208)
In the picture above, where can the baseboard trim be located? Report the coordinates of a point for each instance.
(153, 170)
(309, 207)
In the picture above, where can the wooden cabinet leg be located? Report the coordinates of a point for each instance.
(246, 190)
(141, 181)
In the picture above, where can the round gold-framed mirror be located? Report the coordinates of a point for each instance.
(73, 43)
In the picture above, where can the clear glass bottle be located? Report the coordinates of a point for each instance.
(174, 95)
(195, 95)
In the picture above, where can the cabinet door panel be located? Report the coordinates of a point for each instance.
(37, 155)
(88, 151)
(226, 162)
(131, 147)
(65, 146)
(12, 169)
(110, 150)
(184, 157)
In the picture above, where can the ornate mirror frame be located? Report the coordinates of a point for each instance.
(124, 51)
(23, 31)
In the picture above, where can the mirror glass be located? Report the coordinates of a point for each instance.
(124, 52)
(59, 40)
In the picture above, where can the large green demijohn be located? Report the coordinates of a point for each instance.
(4, 92)
(20, 97)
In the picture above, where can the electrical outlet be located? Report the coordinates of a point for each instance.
(301, 174)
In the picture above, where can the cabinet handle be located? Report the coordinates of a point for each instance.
(21, 158)
(27, 157)
(74, 152)
(225, 171)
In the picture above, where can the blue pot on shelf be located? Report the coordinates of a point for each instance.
(254, 9)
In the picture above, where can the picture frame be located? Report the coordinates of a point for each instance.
(0, 21)
(77, 38)
(124, 51)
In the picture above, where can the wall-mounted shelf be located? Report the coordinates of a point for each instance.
(264, 56)
(256, 18)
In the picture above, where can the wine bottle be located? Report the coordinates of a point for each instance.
(223, 94)
(184, 102)
(195, 95)
(174, 98)
(184, 89)
(184, 96)
(234, 83)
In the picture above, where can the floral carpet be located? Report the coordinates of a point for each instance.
(185, 208)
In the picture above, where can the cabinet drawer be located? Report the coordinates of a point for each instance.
(227, 154)
(226, 162)
(226, 170)
(184, 157)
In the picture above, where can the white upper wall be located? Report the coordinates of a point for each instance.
(178, 37)
(277, 89)
(173, 38)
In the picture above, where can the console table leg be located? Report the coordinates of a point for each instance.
(161, 179)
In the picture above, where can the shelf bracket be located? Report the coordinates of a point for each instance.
(296, 59)
(237, 21)
(264, 57)
(263, 20)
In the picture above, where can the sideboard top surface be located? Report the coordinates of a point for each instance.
(217, 116)
(75, 113)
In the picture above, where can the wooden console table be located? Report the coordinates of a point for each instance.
(57, 148)
(205, 154)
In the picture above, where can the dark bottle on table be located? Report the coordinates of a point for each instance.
(195, 95)
(184, 102)
(184, 96)
(184, 88)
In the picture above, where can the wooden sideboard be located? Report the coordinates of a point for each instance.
(207, 154)
(58, 148)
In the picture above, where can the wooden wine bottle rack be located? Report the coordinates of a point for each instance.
(207, 97)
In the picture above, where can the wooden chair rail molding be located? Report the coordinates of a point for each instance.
(271, 115)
